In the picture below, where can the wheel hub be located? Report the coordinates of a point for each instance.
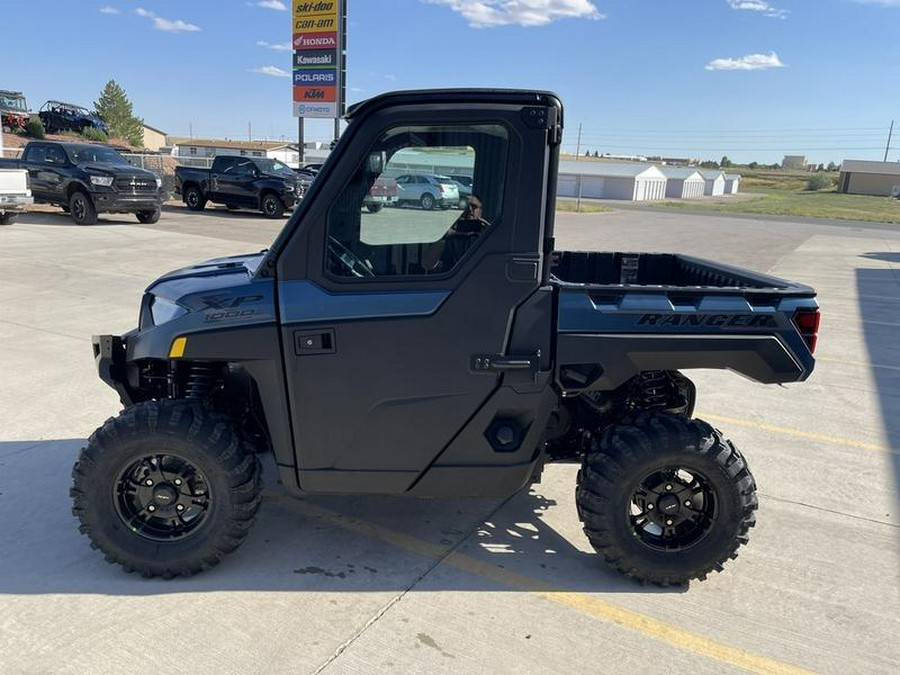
(164, 495)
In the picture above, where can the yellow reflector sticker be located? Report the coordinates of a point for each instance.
(177, 350)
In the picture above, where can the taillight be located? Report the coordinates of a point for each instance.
(807, 323)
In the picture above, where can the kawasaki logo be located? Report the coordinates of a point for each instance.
(730, 320)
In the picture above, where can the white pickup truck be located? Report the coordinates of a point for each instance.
(14, 194)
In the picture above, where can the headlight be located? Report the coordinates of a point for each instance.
(289, 188)
(163, 311)
(103, 181)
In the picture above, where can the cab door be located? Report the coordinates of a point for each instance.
(388, 360)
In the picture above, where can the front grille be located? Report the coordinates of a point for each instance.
(136, 185)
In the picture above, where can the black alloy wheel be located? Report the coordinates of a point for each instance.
(148, 217)
(162, 497)
(81, 208)
(194, 199)
(272, 207)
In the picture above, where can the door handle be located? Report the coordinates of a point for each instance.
(494, 363)
(314, 342)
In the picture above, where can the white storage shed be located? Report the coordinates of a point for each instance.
(732, 183)
(611, 180)
(715, 182)
(683, 183)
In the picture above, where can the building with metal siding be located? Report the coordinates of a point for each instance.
(611, 180)
(862, 177)
(715, 182)
(732, 183)
(683, 183)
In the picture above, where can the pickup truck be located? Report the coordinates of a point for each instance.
(267, 185)
(14, 194)
(382, 193)
(363, 370)
(86, 179)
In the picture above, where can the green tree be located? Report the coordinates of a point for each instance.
(832, 166)
(115, 109)
(725, 163)
(753, 165)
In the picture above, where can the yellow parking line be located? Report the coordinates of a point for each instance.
(822, 438)
(581, 602)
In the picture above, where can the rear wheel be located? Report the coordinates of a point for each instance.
(81, 208)
(427, 202)
(194, 199)
(8, 218)
(148, 217)
(272, 206)
(374, 208)
(665, 499)
(166, 489)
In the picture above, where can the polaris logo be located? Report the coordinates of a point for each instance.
(302, 77)
(719, 320)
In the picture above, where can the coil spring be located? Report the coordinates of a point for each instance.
(654, 390)
(200, 380)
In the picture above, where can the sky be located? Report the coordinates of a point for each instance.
(752, 80)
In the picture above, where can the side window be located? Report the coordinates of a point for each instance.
(243, 168)
(403, 215)
(225, 165)
(55, 155)
(36, 153)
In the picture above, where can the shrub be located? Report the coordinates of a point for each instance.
(92, 134)
(820, 182)
(34, 127)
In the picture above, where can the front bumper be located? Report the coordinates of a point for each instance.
(116, 202)
(110, 353)
(15, 202)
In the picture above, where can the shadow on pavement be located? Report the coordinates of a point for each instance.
(315, 544)
(878, 291)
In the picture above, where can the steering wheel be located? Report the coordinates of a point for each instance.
(342, 258)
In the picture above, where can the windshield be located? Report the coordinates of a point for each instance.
(83, 154)
(14, 102)
(273, 166)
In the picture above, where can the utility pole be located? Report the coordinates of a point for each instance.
(888, 147)
(249, 131)
(578, 144)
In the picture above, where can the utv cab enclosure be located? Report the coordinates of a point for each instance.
(435, 354)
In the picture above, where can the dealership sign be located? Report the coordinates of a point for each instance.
(319, 40)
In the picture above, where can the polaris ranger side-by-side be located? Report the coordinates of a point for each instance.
(433, 354)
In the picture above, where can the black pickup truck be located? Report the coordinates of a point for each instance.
(267, 185)
(365, 368)
(86, 179)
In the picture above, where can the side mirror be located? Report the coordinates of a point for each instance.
(376, 162)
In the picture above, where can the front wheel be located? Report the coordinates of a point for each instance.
(272, 206)
(665, 499)
(374, 208)
(148, 217)
(167, 488)
(81, 208)
(427, 202)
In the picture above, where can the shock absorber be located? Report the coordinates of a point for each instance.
(201, 379)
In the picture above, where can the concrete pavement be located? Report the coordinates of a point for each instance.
(361, 585)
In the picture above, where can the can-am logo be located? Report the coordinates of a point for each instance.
(320, 40)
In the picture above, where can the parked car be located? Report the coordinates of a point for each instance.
(464, 183)
(88, 178)
(427, 190)
(14, 111)
(14, 194)
(58, 116)
(238, 182)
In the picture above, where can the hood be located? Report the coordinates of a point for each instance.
(207, 276)
(117, 170)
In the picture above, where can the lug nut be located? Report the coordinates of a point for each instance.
(649, 507)
(177, 481)
(180, 507)
(668, 522)
(149, 482)
(668, 487)
(687, 502)
(151, 508)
